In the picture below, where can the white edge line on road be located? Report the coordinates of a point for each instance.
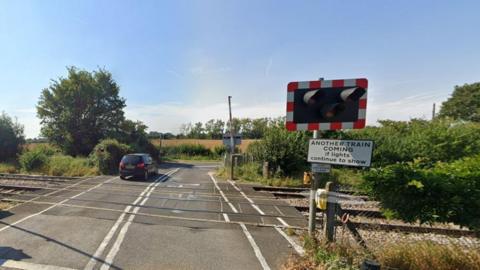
(225, 216)
(93, 260)
(256, 249)
(27, 265)
(55, 205)
(297, 247)
(252, 203)
(222, 194)
(123, 231)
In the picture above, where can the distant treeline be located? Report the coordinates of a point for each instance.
(215, 128)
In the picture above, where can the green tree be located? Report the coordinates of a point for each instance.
(214, 128)
(11, 137)
(464, 104)
(78, 111)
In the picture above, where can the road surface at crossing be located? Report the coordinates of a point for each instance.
(183, 218)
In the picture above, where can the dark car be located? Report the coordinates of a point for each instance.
(137, 165)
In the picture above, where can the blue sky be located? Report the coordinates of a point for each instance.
(177, 61)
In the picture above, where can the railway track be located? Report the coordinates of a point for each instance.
(376, 226)
(8, 176)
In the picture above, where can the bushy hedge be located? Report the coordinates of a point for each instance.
(37, 158)
(107, 155)
(285, 151)
(438, 140)
(443, 192)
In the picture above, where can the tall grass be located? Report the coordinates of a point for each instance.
(191, 152)
(420, 255)
(426, 255)
(7, 168)
(61, 165)
(252, 172)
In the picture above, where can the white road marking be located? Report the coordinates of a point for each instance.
(225, 216)
(297, 247)
(256, 249)
(56, 204)
(282, 221)
(123, 231)
(222, 194)
(93, 260)
(252, 242)
(252, 203)
(27, 265)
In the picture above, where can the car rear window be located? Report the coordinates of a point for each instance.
(132, 159)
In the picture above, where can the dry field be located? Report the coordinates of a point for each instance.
(207, 143)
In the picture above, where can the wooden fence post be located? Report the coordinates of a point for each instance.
(266, 170)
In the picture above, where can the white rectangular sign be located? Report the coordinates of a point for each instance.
(321, 168)
(356, 153)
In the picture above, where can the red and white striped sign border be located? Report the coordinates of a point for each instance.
(362, 108)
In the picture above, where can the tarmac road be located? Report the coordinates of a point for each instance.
(184, 218)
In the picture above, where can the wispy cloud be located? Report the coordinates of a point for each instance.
(174, 72)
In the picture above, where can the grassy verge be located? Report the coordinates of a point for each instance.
(420, 255)
(251, 172)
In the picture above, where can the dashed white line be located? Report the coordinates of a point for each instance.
(256, 249)
(297, 248)
(93, 260)
(252, 242)
(222, 194)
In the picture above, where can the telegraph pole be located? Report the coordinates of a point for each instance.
(232, 139)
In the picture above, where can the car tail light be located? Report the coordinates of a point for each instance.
(141, 165)
(122, 166)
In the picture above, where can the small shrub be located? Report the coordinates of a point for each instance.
(37, 158)
(107, 155)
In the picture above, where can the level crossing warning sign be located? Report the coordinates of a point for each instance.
(356, 153)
